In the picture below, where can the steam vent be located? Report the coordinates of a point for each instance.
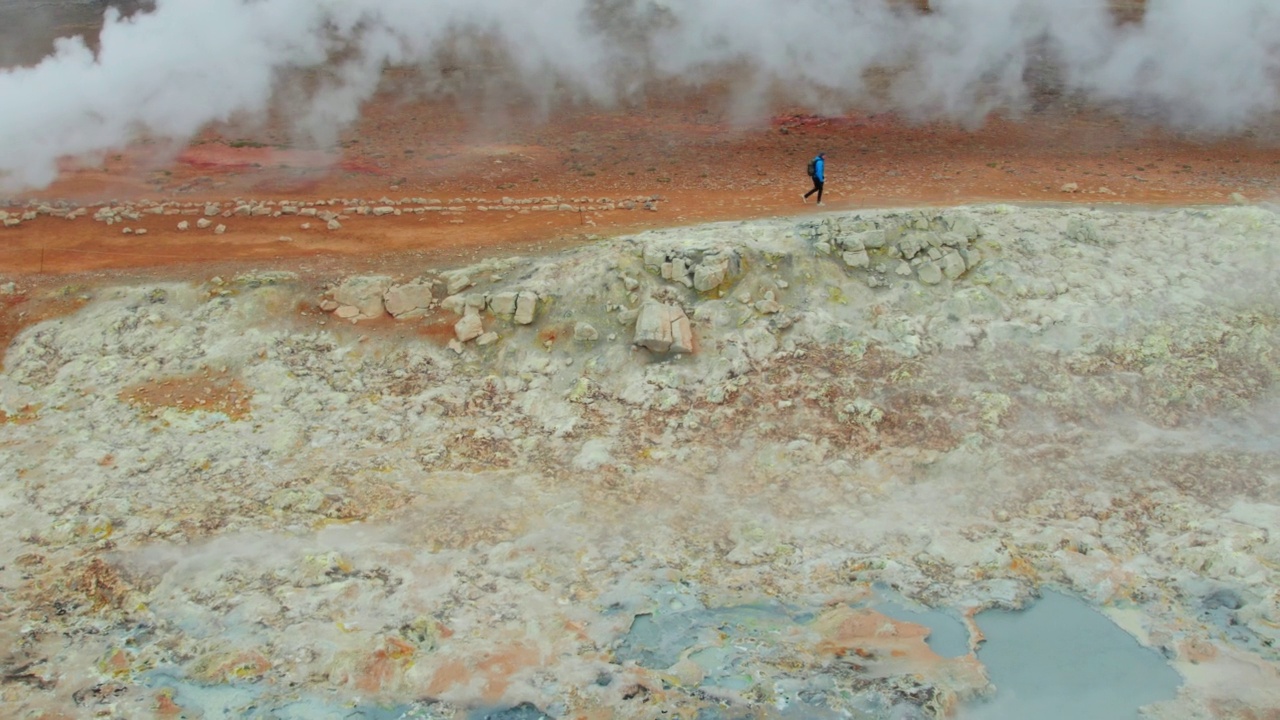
(407, 359)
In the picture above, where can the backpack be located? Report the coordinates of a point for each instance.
(813, 167)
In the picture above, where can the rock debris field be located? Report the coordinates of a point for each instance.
(666, 473)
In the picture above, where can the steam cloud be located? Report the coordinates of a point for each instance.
(1205, 65)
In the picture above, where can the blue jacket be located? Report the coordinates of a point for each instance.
(817, 170)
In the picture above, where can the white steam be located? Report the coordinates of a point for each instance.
(1205, 65)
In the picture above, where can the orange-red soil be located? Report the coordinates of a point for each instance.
(680, 147)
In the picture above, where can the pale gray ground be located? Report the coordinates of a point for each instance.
(965, 405)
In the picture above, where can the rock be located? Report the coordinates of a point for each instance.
(365, 293)
(334, 225)
(220, 229)
(204, 223)
(680, 272)
(126, 231)
(462, 304)
(383, 210)
(584, 332)
(681, 330)
(456, 282)
(469, 327)
(768, 306)
(904, 269)
(856, 259)
(709, 275)
(347, 311)
(653, 328)
(9, 288)
(488, 338)
(503, 303)
(662, 328)
(1070, 188)
(654, 257)
(526, 304)
(184, 225)
(328, 305)
(929, 272)
(408, 299)
(953, 265)
(140, 231)
(1238, 199)
(212, 210)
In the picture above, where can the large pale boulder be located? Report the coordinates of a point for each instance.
(526, 305)
(503, 303)
(469, 327)
(663, 328)
(364, 293)
(408, 300)
(653, 328)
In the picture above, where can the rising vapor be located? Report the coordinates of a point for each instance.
(1204, 65)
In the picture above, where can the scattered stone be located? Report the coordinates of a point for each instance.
(347, 311)
(184, 225)
(140, 231)
(383, 210)
(488, 338)
(126, 231)
(584, 332)
(1070, 187)
(204, 223)
(220, 229)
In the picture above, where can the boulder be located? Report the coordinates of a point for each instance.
(526, 304)
(407, 300)
(653, 328)
(710, 274)
(364, 293)
(663, 328)
(929, 272)
(953, 265)
(503, 303)
(457, 282)
(856, 258)
(469, 327)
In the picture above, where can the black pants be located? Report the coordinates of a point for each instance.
(817, 188)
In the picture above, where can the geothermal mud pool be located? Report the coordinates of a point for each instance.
(717, 471)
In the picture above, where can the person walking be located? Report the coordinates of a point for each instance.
(816, 172)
